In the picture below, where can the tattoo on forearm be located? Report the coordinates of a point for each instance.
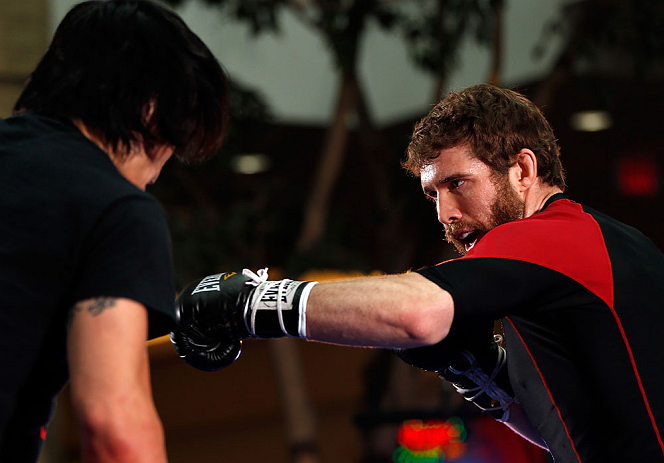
(95, 306)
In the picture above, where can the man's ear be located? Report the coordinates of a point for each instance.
(524, 171)
(148, 111)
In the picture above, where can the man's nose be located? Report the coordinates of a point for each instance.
(448, 211)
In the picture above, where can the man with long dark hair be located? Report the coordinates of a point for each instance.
(85, 264)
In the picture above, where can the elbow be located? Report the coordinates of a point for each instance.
(422, 331)
(101, 438)
(427, 323)
(426, 311)
(106, 436)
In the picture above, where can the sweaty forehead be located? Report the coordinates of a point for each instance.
(452, 163)
(427, 175)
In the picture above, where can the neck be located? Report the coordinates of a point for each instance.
(537, 197)
(132, 164)
(87, 133)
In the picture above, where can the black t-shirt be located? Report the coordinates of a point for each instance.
(71, 228)
(581, 297)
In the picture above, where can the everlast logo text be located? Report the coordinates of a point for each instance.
(271, 294)
(209, 283)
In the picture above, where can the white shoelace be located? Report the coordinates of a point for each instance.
(257, 280)
(486, 383)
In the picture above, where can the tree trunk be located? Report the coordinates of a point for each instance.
(299, 412)
(390, 232)
(497, 59)
(300, 419)
(329, 167)
(441, 83)
(544, 96)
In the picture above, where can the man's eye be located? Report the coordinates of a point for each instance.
(454, 184)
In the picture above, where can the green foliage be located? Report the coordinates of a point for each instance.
(261, 15)
(343, 23)
(432, 29)
(632, 31)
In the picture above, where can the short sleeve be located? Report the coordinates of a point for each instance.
(552, 260)
(499, 287)
(128, 254)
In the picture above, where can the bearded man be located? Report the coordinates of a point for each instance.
(580, 295)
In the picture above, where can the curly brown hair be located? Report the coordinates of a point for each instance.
(496, 123)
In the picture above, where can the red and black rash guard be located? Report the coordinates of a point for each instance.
(581, 298)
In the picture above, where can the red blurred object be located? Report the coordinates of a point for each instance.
(638, 175)
(419, 436)
(431, 441)
(493, 442)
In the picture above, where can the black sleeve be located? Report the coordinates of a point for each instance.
(128, 254)
(494, 288)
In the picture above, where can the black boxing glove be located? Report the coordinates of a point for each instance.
(210, 327)
(474, 367)
(439, 356)
(217, 312)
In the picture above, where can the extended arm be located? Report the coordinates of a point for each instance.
(390, 311)
(219, 311)
(110, 383)
(393, 311)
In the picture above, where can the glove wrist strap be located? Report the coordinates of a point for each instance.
(277, 308)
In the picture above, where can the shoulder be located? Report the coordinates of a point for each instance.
(127, 221)
(54, 154)
(563, 238)
(36, 133)
(563, 226)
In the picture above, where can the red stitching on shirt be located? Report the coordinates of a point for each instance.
(638, 377)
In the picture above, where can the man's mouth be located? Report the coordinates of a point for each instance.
(468, 238)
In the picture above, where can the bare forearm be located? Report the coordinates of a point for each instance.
(391, 311)
(122, 433)
(110, 383)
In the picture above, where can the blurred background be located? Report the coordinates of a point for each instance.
(324, 96)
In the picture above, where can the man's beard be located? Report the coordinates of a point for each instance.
(507, 206)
